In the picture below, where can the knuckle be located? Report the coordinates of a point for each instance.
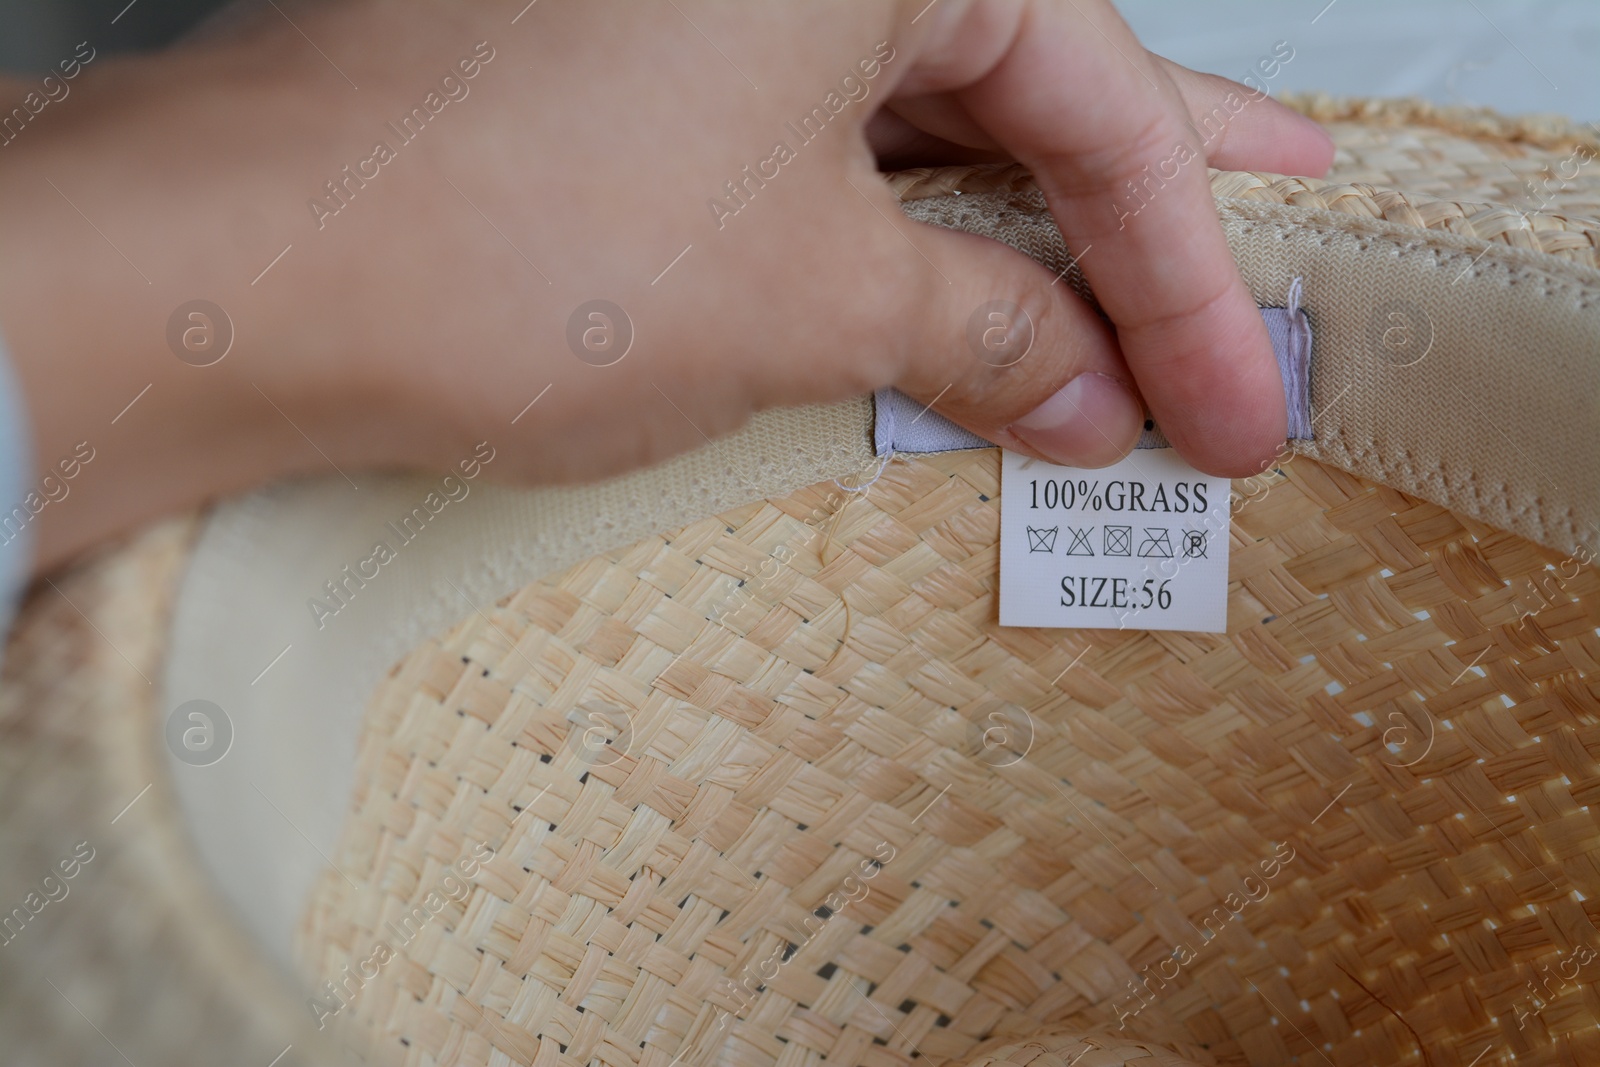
(1204, 301)
(1133, 155)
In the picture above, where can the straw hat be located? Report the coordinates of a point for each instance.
(611, 819)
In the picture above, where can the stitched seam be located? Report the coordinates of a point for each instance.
(1438, 242)
(1564, 278)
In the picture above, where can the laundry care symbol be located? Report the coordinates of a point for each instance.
(1042, 540)
(1194, 544)
(1080, 541)
(1118, 541)
(1156, 544)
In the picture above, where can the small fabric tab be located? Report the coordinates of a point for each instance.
(1290, 331)
(904, 425)
(901, 424)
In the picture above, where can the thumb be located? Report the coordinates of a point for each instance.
(1009, 350)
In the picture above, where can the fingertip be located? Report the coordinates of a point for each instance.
(1238, 439)
(1315, 147)
(1280, 141)
(1018, 357)
(1215, 389)
(1238, 459)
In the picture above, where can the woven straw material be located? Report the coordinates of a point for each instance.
(1521, 182)
(977, 834)
(1065, 1050)
(131, 959)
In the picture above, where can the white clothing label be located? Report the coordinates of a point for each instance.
(1139, 545)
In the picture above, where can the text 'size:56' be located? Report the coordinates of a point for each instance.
(1082, 591)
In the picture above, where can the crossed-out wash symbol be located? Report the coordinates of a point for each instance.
(1118, 541)
(1044, 540)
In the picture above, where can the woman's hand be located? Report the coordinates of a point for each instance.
(405, 211)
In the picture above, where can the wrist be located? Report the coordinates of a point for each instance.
(96, 263)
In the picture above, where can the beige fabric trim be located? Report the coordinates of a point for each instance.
(1499, 420)
(543, 530)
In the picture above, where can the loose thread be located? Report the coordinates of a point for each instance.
(883, 465)
(844, 639)
(1296, 366)
(827, 542)
(1421, 1047)
(854, 491)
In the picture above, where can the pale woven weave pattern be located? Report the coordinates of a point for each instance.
(1405, 700)
(1059, 809)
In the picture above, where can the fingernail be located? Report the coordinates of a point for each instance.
(1092, 421)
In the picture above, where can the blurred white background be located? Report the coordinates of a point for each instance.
(1532, 55)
